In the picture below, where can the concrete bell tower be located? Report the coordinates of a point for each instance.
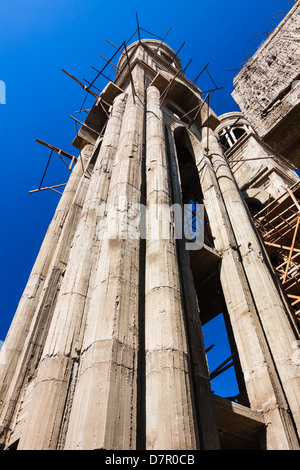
(106, 348)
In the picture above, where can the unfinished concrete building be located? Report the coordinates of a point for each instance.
(106, 348)
(267, 89)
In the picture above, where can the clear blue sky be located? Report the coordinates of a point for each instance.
(39, 38)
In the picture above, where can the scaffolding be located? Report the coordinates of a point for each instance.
(98, 114)
(278, 224)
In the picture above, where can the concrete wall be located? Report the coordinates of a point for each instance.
(267, 89)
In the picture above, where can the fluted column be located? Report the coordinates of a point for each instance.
(103, 414)
(261, 377)
(35, 338)
(22, 336)
(273, 316)
(56, 374)
(170, 422)
(208, 430)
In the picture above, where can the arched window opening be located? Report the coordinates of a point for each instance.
(228, 137)
(238, 132)
(224, 142)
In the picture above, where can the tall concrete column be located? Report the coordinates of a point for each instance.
(279, 333)
(103, 414)
(41, 318)
(262, 383)
(203, 397)
(170, 421)
(56, 375)
(15, 354)
(21, 323)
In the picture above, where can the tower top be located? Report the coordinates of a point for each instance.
(159, 47)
